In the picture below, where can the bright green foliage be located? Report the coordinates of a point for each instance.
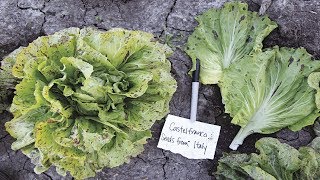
(87, 98)
(224, 36)
(268, 91)
(275, 161)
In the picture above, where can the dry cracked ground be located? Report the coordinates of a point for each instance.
(22, 21)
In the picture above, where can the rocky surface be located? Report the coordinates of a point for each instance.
(172, 21)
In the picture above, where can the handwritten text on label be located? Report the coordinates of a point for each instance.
(194, 140)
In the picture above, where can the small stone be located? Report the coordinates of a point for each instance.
(34, 4)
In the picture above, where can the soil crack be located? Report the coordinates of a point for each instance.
(85, 12)
(167, 17)
(177, 29)
(164, 164)
(3, 137)
(48, 176)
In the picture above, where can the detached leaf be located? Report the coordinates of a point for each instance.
(278, 159)
(275, 161)
(224, 36)
(269, 91)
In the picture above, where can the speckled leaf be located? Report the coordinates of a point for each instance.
(224, 36)
(274, 161)
(310, 165)
(123, 148)
(229, 167)
(278, 159)
(269, 91)
(22, 128)
(257, 173)
(52, 47)
(69, 158)
(116, 44)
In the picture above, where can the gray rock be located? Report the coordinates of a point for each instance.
(33, 4)
(299, 24)
(18, 26)
(182, 15)
(60, 14)
(144, 15)
(287, 135)
(295, 139)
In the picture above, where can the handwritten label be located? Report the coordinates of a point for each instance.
(193, 140)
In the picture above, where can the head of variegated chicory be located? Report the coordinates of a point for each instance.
(85, 99)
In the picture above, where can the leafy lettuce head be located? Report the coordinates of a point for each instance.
(86, 99)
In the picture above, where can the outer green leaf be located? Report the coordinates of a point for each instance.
(22, 128)
(268, 91)
(279, 160)
(275, 161)
(310, 165)
(224, 36)
(87, 98)
(230, 166)
(313, 81)
(257, 173)
(124, 148)
(52, 48)
(68, 158)
(310, 156)
(7, 80)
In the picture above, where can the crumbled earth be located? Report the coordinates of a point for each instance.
(22, 21)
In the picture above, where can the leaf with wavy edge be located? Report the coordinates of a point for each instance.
(224, 36)
(269, 91)
(275, 160)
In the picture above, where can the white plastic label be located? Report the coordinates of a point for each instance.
(193, 140)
